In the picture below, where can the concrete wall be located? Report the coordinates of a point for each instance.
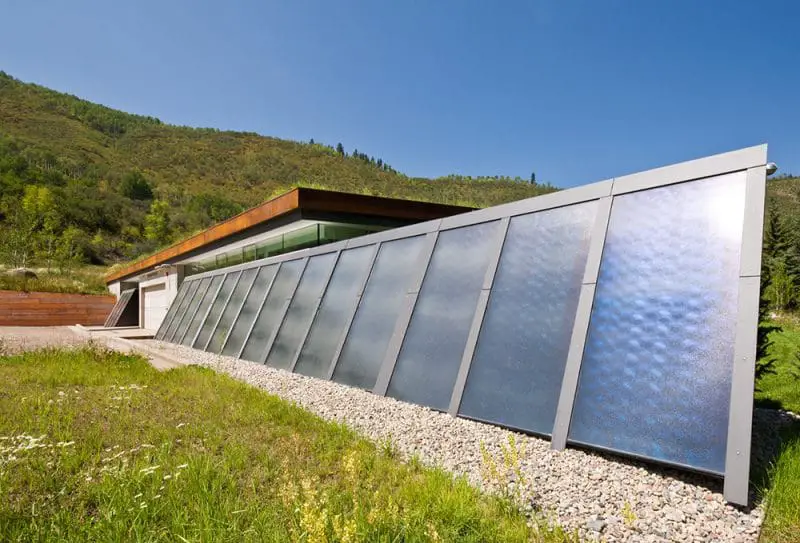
(53, 309)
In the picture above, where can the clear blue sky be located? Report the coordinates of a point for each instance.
(576, 91)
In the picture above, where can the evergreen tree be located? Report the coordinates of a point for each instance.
(340, 149)
(533, 178)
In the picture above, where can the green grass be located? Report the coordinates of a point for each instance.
(782, 522)
(98, 446)
(782, 388)
(83, 280)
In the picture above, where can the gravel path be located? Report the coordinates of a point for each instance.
(602, 496)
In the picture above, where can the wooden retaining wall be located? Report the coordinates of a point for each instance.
(53, 309)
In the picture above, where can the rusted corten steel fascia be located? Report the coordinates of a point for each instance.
(300, 198)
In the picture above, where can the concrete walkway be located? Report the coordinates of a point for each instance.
(15, 339)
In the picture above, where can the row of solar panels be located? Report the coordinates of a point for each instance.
(479, 319)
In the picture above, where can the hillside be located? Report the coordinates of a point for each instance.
(105, 168)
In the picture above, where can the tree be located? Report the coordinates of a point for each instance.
(136, 187)
(340, 149)
(533, 178)
(42, 221)
(156, 222)
(780, 290)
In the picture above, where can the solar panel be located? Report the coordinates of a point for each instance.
(620, 316)
(196, 295)
(269, 318)
(172, 311)
(655, 379)
(515, 375)
(209, 294)
(119, 308)
(231, 310)
(252, 305)
(181, 314)
(429, 360)
(337, 305)
(374, 321)
(214, 313)
(301, 311)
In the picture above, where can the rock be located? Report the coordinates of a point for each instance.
(596, 525)
(21, 273)
(593, 493)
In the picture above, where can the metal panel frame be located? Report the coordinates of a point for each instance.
(181, 316)
(752, 160)
(189, 298)
(196, 309)
(477, 319)
(171, 312)
(351, 317)
(404, 317)
(580, 327)
(260, 309)
(208, 309)
(239, 311)
(317, 303)
(284, 309)
(222, 309)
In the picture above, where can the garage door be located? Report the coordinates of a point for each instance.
(154, 300)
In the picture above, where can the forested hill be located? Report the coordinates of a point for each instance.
(127, 184)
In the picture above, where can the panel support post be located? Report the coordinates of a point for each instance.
(351, 315)
(740, 415)
(404, 318)
(569, 384)
(477, 319)
(317, 304)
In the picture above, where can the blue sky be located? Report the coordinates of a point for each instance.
(575, 91)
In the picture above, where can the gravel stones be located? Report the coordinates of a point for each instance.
(601, 496)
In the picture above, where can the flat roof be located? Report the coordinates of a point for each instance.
(297, 199)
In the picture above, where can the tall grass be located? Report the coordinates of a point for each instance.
(98, 446)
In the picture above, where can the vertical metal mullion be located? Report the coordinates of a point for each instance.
(580, 328)
(222, 310)
(260, 309)
(740, 414)
(190, 293)
(174, 308)
(284, 309)
(196, 309)
(404, 318)
(187, 298)
(477, 319)
(317, 304)
(208, 309)
(351, 317)
(239, 312)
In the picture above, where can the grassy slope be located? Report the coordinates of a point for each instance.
(99, 446)
(243, 167)
(782, 389)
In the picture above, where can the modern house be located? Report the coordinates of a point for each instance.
(299, 219)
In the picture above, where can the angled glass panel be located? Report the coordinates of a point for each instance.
(216, 309)
(268, 318)
(336, 308)
(430, 357)
(301, 311)
(173, 309)
(249, 310)
(181, 315)
(197, 296)
(516, 371)
(231, 310)
(199, 316)
(374, 321)
(655, 379)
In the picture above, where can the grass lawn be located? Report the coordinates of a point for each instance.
(82, 280)
(98, 446)
(782, 389)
